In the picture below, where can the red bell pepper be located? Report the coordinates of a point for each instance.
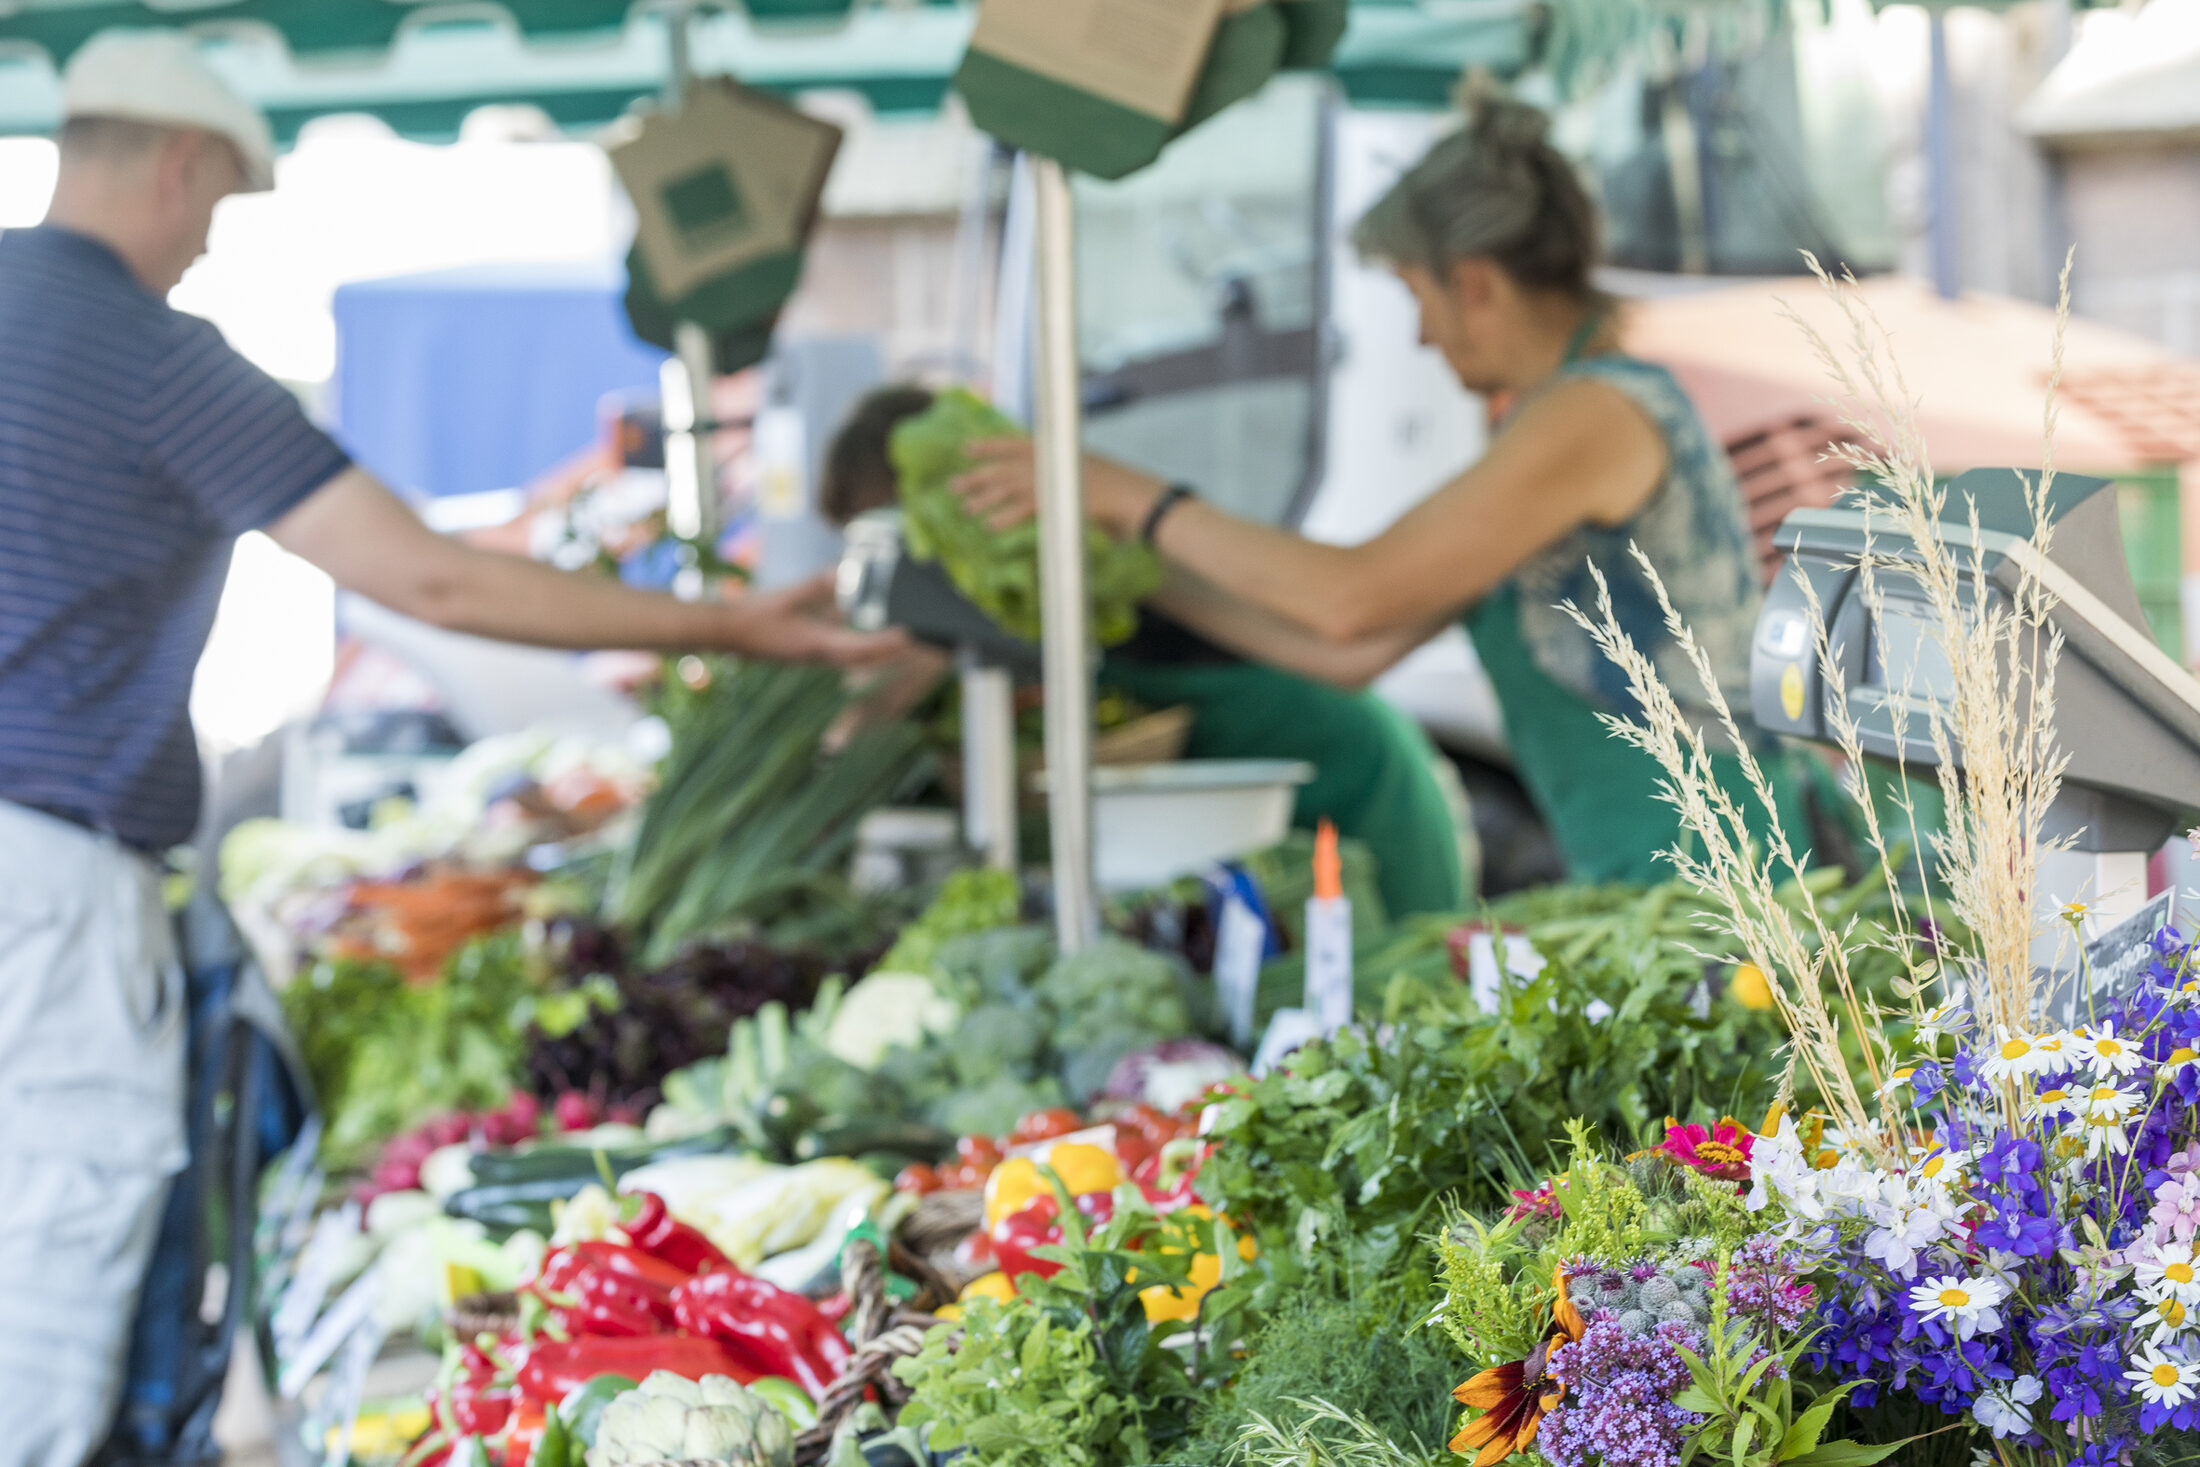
(595, 1255)
(777, 1332)
(612, 1304)
(551, 1369)
(527, 1426)
(1036, 1225)
(655, 1232)
(475, 1404)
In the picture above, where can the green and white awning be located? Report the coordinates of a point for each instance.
(422, 66)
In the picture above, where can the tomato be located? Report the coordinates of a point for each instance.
(1132, 1149)
(978, 1151)
(917, 1178)
(1045, 1125)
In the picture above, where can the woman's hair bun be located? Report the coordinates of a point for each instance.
(1496, 189)
(1506, 124)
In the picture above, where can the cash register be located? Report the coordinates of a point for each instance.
(2126, 714)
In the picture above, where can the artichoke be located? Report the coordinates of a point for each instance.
(712, 1420)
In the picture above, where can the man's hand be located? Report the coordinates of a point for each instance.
(1002, 487)
(801, 624)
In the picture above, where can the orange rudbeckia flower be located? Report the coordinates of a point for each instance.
(1514, 1398)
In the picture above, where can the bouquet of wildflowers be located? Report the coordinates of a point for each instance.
(2031, 1263)
(1997, 1207)
(1639, 1316)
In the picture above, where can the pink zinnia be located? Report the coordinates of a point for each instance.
(1542, 1202)
(1720, 1151)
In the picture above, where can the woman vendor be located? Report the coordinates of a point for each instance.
(1377, 776)
(1496, 239)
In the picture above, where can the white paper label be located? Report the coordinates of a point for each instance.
(781, 455)
(345, 1318)
(1287, 1031)
(347, 1388)
(1329, 961)
(309, 1286)
(1240, 939)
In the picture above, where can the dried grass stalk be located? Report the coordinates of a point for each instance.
(1993, 737)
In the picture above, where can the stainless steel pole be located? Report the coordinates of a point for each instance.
(989, 762)
(1065, 613)
(1944, 222)
(691, 472)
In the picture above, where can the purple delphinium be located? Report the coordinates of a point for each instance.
(1618, 1410)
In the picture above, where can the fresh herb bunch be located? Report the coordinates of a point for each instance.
(1019, 1387)
(1358, 1147)
(999, 569)
(1360, 1352)
(386, 1054)
(1072, 1370)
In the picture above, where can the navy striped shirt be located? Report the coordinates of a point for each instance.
(135, 446)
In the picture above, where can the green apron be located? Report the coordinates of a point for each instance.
(1598, 792)
(1373, 766)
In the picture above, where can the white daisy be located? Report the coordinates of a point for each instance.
(1898, 1082)
(2099, 1134)
(2175, 1060)
(2015, 1057)
(2056, 1103)
(1944, 1168)
(2160, 1380)
(2166, 1270)
(2170, 1319)
(2110, 1102)
(2105, 1055)
(1968, 1305)
(2007, 1409)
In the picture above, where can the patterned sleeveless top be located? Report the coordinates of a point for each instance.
(1693, 530)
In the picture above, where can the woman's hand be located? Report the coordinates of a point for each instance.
(1002, 487)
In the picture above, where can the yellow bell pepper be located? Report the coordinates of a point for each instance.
(1014, 1183)
(995, 1285)
(1162, 1303)
(1085, 1168)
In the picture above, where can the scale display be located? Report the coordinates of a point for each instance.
(2126, 714)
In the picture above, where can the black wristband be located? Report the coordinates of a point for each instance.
(1170, 498)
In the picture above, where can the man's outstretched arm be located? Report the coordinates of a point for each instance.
(370, 542)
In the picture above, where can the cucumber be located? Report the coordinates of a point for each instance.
(910, 1139)
(553, 1162)
(514, 1205)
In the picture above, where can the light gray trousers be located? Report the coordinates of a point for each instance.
(92, 1027)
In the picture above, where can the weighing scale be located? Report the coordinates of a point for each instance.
(2126, 714)
(880, 585)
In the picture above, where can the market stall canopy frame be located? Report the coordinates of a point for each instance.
(422, 67)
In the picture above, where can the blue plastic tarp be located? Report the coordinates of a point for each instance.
(461, 381)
